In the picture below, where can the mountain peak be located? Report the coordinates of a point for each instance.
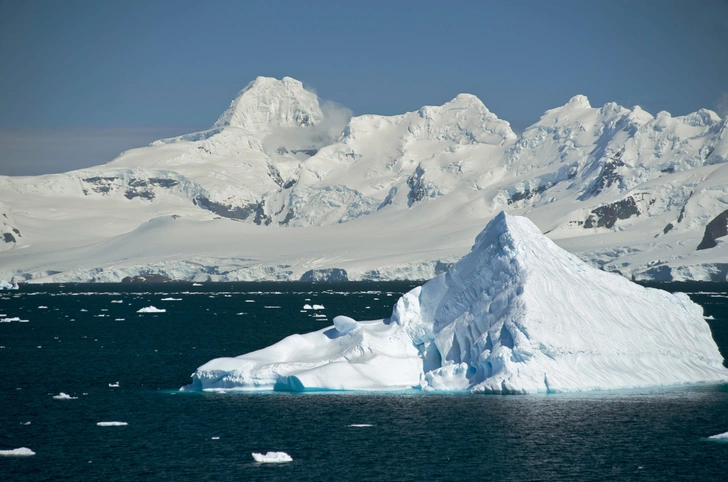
(267, 103)
(579, 101)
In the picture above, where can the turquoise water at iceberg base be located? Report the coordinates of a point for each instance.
(79, 339)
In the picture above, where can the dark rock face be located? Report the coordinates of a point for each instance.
(331, 274)
(9, 238)
(606, 216)
(417, 187)
(528, 193)
(240, 213)
(146, 278)
(717, 228)
(101, 185)
(608, 176)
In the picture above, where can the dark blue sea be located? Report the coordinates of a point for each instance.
(79, 339)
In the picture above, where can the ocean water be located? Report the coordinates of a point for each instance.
(80, 339)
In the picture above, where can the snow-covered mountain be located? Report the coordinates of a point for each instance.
(285, 186)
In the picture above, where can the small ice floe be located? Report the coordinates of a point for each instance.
(14, 318)
(64, 396)
(111, 424)
(151, 309)
(21, 452)
(709, 317)
(171, 299)
(318, 307)
(214, 438)
(117, 301)
(24, 423)
(271, 307)
(272, 457)
(118, 319)
(307, 307)
(84, 310)
(721, 437)
(114, 385)
(41, 307)
(250, 301)
(317, 315)
(360, 425)
(196, 284)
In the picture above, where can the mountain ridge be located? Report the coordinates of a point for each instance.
(627, 191)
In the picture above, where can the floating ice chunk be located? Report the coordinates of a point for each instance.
(171, 299)
(42, 307)
(271, 307)
(214, 438)
(721, 437)
(114, 385)
(272, 457)
(83, 310)
(14, 318)
(21, 452)
(119, 319)
(344, 324)
(318, 307)
(7, 285)
(307, 307)
(64, 396)
(117, 301)
(24, 423)
(317, 315)
(709, 317)
(360, 425)
(151, 309)
(196, 284)
(111, 424)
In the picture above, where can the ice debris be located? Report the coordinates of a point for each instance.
(21, 452)
(151, 309)
(111, 424)
(272, 457)
(64, 396)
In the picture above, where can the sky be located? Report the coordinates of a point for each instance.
(81, 81)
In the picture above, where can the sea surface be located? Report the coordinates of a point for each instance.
(84, 339)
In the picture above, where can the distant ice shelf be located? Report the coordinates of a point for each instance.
(517, 314)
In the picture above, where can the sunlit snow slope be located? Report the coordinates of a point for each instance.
(517, 314)
(284, 186)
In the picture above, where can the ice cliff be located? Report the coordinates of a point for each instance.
(517, 314)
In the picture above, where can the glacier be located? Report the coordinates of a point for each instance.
(283, 187)
(518, 314)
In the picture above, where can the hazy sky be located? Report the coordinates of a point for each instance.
(82, 80)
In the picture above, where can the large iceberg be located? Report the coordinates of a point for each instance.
(517, 314)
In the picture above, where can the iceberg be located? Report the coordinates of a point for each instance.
(517, 314)
(272, 457)
(64, 396)
(151, 309)
(8, 285)
(21, 452)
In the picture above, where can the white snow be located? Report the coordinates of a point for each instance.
(111, 424)
(272, 457)
(720, 436)
(517, 314)
(151, 309)
(20, 452)
(64, 396)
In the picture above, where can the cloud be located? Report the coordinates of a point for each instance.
(721, 105)
(335, 118)
(32, 151)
